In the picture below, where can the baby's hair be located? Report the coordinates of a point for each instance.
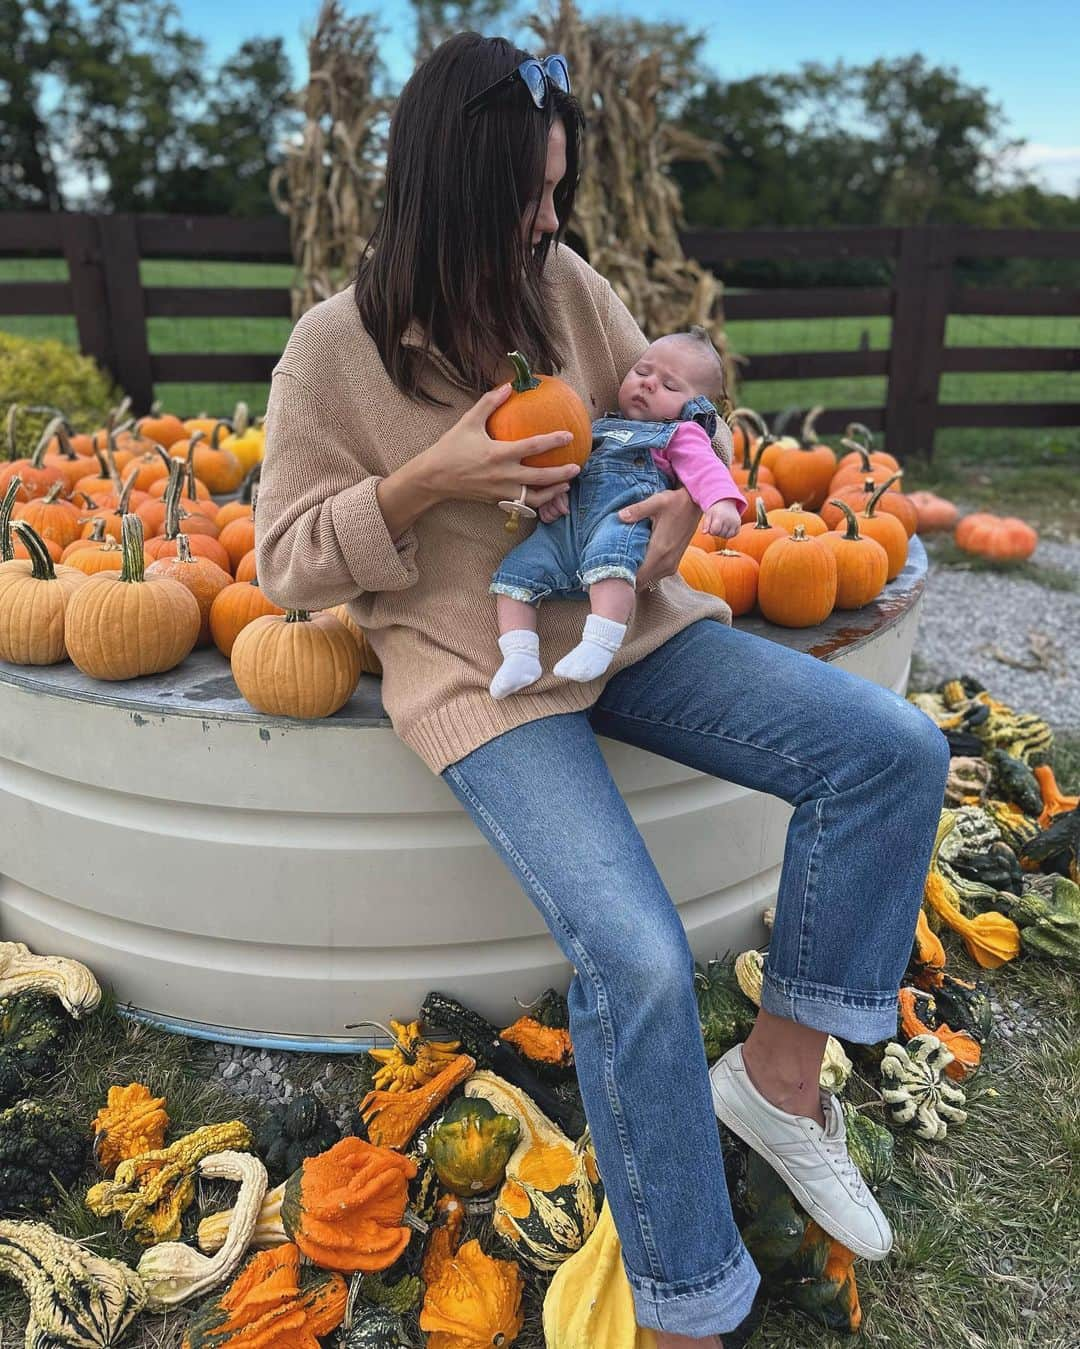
(716, 388)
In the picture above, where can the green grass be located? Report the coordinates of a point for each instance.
(785, 335)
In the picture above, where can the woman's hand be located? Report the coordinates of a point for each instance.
(466, 464)
(675, 516)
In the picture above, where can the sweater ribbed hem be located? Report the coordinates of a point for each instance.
(464, 723)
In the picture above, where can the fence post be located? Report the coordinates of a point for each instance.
(127, 310)
(923, 282)
(82, 252)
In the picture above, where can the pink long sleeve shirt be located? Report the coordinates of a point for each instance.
(690, 457)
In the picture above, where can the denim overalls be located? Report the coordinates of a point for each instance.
(591, 543)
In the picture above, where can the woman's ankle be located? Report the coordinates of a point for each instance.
(785, 1066)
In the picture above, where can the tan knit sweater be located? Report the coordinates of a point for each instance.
(336, 425)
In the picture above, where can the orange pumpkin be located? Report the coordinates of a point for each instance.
(201, 575)
(755, 536)
(696, 571)
(934, 513)
(787, 517)
(246, 569)
(862, 564)
(797, 581)
(539, 404)
(739, 573)
(754, 488)
(52, 518)
(237, 538)
(162, 428)
(885, 528)
(1004, 538)
(35, 476)
(233, 608)
(803, 473)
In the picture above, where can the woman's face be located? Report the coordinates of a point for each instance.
(547, 222)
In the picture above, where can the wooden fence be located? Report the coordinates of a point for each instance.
(110, 304)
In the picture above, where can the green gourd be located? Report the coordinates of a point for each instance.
(291, 1132)
(38, 1141)
(33, 1028)
(964, 1005)
(1014, 781)
(471, 1145)
(727, 1015)
(870, 1145)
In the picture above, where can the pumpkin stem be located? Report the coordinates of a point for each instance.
(215, 434)
(852, 523)
(763, 444)
(524, 379)
(762, 517)
(51, 495)
(9, 427)
(857, 432)
(807, 434)
(249, 482)
(196, 436)
(125, 491)
(882, 488)
(97, 529)
(240, 419)
(183, 548)
(7, 550)
(172, 499)
(750, 416)
(413, 1220)
(860, 450)
(117, 412)
(42, 568)
(297, 615)
(402, 1049)
(37, 458)
(133, 567)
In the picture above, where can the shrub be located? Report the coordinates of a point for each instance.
(44, 373)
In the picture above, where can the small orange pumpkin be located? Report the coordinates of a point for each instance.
(756, 535)
(862, 564)
(540, 404)
(696, 571)
(797, 581)
(739, 574)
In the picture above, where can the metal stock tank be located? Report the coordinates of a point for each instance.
(250, 878)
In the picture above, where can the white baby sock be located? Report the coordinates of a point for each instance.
(521, 662)
(591, 657)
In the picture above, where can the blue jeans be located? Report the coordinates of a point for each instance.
(865, 771)
(590, 543)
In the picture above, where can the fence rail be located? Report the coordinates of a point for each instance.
(111, 306)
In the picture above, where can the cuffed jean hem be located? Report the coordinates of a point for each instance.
(709, 1305)
(523, 593)
(606, 573)
(863, 1018)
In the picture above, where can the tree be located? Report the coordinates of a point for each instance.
(239, 140)
(34, 39)
(894, 142)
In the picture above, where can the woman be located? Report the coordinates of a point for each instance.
(379, 489)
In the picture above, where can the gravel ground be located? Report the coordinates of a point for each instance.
(967, 617)
(974, 622)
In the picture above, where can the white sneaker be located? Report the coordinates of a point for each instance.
(813, 1163)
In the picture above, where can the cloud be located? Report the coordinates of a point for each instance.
(1056, 166)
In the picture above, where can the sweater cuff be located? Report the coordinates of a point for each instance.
(375, 561)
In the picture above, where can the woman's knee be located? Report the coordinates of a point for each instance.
(910, 746)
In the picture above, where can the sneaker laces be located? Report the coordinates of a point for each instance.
(836, 1147)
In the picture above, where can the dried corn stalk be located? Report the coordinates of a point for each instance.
(329, 185)
(627, 210)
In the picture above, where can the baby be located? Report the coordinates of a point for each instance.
(660, 437)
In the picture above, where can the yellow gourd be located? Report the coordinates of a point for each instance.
(991, 938)
(132, 1122)
(589, 1303)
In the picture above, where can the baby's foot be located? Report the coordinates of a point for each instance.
(592, 656)
(521, 662)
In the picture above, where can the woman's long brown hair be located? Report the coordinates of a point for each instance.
(448, 248)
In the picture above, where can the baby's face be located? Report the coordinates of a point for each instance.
(660, 382)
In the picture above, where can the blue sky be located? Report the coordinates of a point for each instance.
(1024, 53)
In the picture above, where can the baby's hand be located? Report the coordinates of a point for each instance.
(551, 510)
(723, 518)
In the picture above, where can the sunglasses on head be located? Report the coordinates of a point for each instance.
(533, 74)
